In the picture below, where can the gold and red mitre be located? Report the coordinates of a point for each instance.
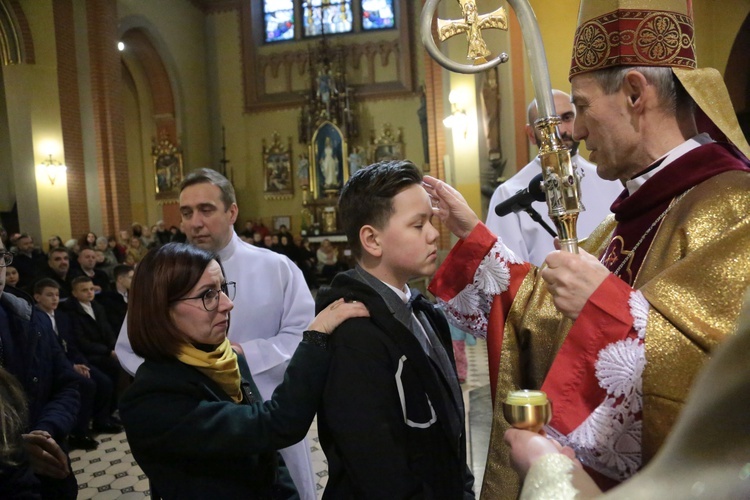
(614, 33)
(633, 33)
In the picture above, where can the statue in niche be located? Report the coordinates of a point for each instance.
(303, 170)
(355, 160)
(329, 165)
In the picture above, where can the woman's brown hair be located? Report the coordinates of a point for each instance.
(13, 414)
(164, 275)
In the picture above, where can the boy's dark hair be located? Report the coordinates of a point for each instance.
(43, 283)
(367, 198)
(120, 270)
(80, 279)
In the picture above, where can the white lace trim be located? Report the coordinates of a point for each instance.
(470, 309)
(639, 308)
(609, 440)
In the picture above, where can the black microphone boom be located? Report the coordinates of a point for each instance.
(523, 198)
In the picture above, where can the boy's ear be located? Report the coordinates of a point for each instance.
(370, 241)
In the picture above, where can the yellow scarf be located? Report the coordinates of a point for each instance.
(220, 365)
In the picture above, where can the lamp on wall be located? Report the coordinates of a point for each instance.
(53, 169)
(458, 119)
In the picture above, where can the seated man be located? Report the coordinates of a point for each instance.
(87, 267)
(391, 420)
(94, 387)
(91, 328)
(29, 261)
(57, 268)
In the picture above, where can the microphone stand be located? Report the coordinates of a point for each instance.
(538, 219)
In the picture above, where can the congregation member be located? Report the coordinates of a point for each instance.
(520, 233)
(95, 389)
(194, 417)
(115, 301)
(616, 333)
(29, 352)
(87, 267)
(57, 268)
(391, 421)
(96, 339)
(274, 305)
(29, 261)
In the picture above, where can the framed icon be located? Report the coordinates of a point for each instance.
(277, 168)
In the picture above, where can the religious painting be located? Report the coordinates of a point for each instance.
(277, 169)
(328, 154)
(167, 169)
(388, 146)
(282, 220)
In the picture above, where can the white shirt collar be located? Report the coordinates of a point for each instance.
(226, 253)
(633, 184)
(403, 294)
(88, 308)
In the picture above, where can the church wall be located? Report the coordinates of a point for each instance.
(245, 131)
(716, 29)
(33, 105)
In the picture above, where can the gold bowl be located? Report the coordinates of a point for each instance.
(527, 410)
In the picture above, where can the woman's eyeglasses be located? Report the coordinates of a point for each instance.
(7, 258)
(210, 297)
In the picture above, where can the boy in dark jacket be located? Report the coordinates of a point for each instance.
(95, 388)
(93, 332)
(391, 420)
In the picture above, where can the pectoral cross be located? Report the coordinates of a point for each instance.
(472, 24)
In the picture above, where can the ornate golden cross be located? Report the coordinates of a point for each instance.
(472, 24)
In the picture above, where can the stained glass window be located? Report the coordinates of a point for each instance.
(377, 14)
(326, 16)
(279, 20)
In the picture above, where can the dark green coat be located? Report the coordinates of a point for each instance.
(193, 441)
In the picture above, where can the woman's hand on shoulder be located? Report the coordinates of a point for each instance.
(336, 313)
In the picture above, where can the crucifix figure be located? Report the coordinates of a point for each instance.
(472, 24)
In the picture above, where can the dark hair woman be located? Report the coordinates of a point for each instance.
(192, 415)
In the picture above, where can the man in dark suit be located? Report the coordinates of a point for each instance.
(87, 267)
(115, 301)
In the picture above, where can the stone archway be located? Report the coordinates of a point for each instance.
(146, 77)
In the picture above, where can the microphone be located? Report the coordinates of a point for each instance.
(523, 198)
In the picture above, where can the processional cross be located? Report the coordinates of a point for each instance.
(564, 205)
(472, 24)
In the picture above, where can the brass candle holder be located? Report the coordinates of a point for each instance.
(527, 410)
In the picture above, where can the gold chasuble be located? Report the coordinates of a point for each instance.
(693, 269)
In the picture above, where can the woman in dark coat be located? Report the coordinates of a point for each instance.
(192, 415)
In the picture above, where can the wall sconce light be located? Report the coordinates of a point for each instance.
(53, 169)
(458, 119)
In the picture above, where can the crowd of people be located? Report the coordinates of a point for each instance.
(318, 265)
(615, 334)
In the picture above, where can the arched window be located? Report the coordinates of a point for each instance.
(324, 17)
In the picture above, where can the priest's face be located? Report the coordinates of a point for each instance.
(604, 121)
(207, 222)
